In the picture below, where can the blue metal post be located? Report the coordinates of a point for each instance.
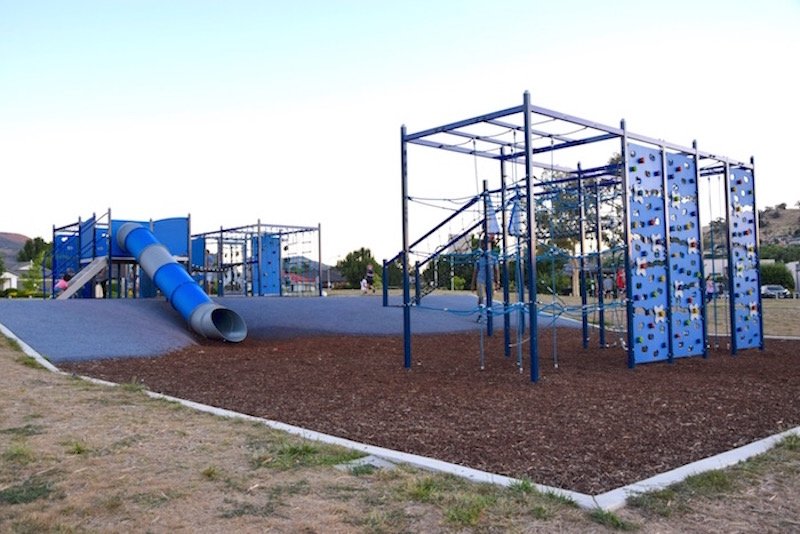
(417, 288)
(729, 238)
(530, 258)
(627, 240)
(319, 259)
(404, 211)
(601, 314)
(385, 274)
(582, 262)
(667, 253)
(489, 263)
(504, 223)
(758, 257)
(702, 267)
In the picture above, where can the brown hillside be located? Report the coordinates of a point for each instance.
(779, 226)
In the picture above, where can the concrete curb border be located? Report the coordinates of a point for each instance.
(610, 500)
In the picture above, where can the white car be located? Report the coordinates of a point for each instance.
(771, 291)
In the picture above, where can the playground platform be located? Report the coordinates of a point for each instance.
(86, 329)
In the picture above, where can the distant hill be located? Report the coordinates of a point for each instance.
(10, 245)
(779, 226)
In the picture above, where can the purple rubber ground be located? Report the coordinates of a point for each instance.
(75, 330)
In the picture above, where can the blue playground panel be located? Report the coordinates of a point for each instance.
(268, 280)
(685, 258)
(173, 234)
(743, 261)
(647, 268)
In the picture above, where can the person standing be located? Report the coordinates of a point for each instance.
(370, 278)
(485, 265)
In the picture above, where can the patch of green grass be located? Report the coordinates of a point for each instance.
(790, 443)
(675, 497)
(557, 498)
(709, 484)
(663, 502)
(378, 521)
(37, 526)
(542, 513)
(610, 520)
(134, 386)
(19, 453)
(239, 509)
(343, 492)
(24, 431)
(210, 472)
(112, 503)
(77, 448)
(29, 361)
(287, 455)
(467, 509)
(154, 500)
(28, 491)
(13, 344)
(426, 489)
(362, 470)
(522, 487)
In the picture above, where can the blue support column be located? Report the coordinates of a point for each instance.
(730, 267)
(758, 258)
(600, 277)
(530, 256)
(504, 263)
(406, 289)
(417, 288)
(582, 263)
(667, 253)
(703, 308)
(627, 240)
(385, 288)
(488, 264)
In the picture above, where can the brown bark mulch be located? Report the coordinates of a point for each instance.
(589, 425)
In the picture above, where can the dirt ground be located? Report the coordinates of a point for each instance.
(590, 425)
(78, 457)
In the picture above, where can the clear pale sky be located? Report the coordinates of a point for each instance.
(290, 111)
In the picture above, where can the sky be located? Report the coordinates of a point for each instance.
(290, 112)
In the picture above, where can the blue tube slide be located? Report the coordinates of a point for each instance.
(186, 296)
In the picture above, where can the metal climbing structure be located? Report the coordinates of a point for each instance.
(656, 187)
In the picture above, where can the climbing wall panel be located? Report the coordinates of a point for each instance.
(647, 255)
(743, 261)
(686, 273)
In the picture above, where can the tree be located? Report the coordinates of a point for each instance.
(777, 273)
(32, 249)
(36, 248)
(2, 264)
(354, 266)
(32, 279)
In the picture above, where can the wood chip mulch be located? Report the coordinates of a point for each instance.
(589, 425)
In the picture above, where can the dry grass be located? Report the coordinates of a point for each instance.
(79, 457)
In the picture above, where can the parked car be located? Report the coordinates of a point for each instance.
(771, 291)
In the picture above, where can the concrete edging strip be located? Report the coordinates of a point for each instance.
(610, 500)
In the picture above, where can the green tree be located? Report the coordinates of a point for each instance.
(32, 249)
(354, 265)
(780, 253)
(777, 273)
(36, 248)
(32, 279)
(2, 264)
